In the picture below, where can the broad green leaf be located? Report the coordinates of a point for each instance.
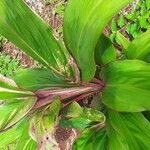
(27, 31)
(9, 89)
(84, 118)
(83, 24)
(123, 40)
(128, 131)
(25, 141)
(42, 125)
(35, 79)
(91, 139)
(14, 110)
(127, 86)
(104, 52)
(11, 135)
(140, 47)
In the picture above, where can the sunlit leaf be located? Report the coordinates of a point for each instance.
(27, 31)
(140, 47)
(127, 86)
(9, 89)
(81, 118)
(104, 52)
(91, 139)
(83, 24)
(128, 131)
(14, 110)
(123, 40)
(11, 135)
(35, 79)
(25, 141)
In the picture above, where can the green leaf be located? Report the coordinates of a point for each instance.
(14, 110)
(91, 139)
(35, 79)
(140, 47)
(143, 21)
(128, 131)
(83, 24)
(124, 41)
(42, 125)
(73, 110)
(84, 118)
(27, 31)
(104, 52)
(25, 141)
(9, 89)
(148, 4)
(11, 135)
(121, 21)
(127, 86)
(113, 26)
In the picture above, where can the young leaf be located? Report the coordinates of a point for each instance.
(35, 79)
(140, 47)
(27, 31)
(104, 52)
(85, 118)
(127, 86)
(83, 24)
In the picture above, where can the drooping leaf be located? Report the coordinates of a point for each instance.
(11, 135)
(14, 110)
(42, 125)
(15, 103)
(104, 52)
(91, 139)
(128, 131)
(83, 24)
(25, 141)
(35, 79)
(9, 89)
(84, 118)
(27, 31)
(127, 86)
(140, 47)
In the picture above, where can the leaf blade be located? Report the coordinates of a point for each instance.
(82, 29)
